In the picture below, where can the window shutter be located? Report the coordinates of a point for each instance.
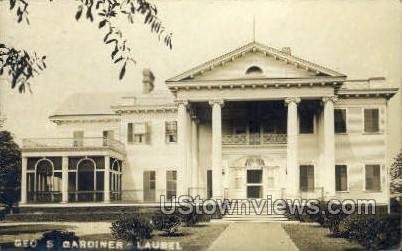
(148, 134)
(130, 137)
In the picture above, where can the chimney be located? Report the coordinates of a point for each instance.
(147, 81)
(286, 50)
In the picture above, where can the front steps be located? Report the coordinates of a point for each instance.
(249, 214)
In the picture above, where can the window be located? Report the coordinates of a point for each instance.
(306, 121)
(340, 120)
(171, 131)
(254, 176)
(254, 70)
(341, 178)
(137, 133)
(107, 136)
(78, 138)
(307, 178)
(373, 178)
(171, 184)
(371, 120)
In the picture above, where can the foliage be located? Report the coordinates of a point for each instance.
(193, 218)
(396, 178)
(57, 237)
(10, 169)
(167, 223)
(21, 66)
(372, 231)
(132, 229)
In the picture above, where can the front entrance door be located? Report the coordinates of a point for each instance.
(254, 184)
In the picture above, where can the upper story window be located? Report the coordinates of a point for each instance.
(137, 133)
(373, 177)
(107, 135)
(340, 120)
(371, 120)
(306, 121)
(171, 131)
(254, 70)
(78, 138)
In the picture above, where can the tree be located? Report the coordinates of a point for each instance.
(396, 177)
(21, 66)
(10, 169)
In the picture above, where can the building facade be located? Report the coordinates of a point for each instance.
(253, 122)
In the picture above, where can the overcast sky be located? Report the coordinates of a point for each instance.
(361, 39)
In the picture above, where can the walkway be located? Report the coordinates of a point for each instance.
(253, 236)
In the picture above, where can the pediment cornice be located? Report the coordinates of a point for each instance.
(255, 47)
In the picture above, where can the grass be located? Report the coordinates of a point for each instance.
(314, 237)
(195, 238)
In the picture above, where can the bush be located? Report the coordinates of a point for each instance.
(193, 218)
(372, 231)
(57, 238)
(132, 229)
(168, 223)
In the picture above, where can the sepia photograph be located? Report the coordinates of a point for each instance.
(200, 125)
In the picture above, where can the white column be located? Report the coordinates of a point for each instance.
(106, 181)
(182, 146)
(190, 185)
(24, 164)
(329, 146)
(194, 155)
(64, 180)
(292, 163)
(217, 185)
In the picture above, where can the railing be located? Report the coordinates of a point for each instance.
(44, 197)
(73, 143)
(254, 139)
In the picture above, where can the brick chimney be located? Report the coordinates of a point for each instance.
(147, 81)
(287, 50)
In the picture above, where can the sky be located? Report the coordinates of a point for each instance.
(360, 38)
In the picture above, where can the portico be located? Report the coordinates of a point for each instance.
(238, 78)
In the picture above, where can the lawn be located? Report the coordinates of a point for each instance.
(196, 238)
(315, 237)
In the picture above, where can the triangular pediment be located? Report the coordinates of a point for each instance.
(255, 60)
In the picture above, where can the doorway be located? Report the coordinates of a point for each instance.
(254, 184)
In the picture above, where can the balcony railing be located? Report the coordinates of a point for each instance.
(254, 139)
(54, 143)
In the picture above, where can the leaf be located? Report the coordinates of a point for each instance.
(102, 23)
(122, 71)
(79, 12)
(12, 4)
(118, 60)
(89, 15)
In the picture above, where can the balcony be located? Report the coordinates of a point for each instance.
(93, 143)
(254, 139)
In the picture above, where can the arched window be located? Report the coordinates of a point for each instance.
(86, 175)
(44, 173)
(254, 70)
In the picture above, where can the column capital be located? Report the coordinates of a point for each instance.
(181, 102)
(332, 99)
(216, 101)
(295, 100)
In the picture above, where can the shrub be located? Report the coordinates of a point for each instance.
(192, 219)
(372, 231)
(132, 229)
(168, 223)
(57, 237)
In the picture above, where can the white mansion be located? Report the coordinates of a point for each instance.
(253, 122)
